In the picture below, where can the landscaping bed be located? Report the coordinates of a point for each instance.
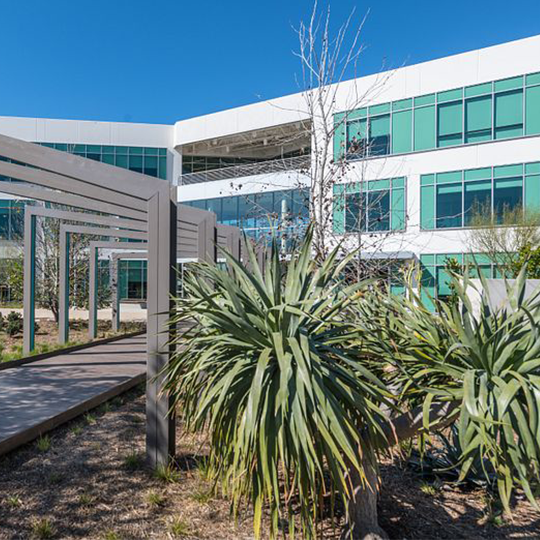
(47, 336)
(88, 480)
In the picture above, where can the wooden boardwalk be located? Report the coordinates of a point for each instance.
(39, 396)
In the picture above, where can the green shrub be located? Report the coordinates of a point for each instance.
(14, 323)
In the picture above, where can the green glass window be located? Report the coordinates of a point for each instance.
(532, 110)
(477, 199)
(449, 206)
(378, 211)
(355, 206)
(532, 192)
(356, 138)
(509, 114)
(427, 207)
(402, 132)
(507, 195)
(478, 112)
(450, 124)
(379, 135)
(424, 128)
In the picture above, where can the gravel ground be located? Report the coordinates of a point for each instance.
(87, 480)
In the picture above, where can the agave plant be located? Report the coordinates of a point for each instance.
(487, 363)
(272, 368)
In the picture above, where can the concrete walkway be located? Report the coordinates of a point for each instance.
(39, 396)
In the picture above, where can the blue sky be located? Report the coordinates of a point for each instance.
(164, 60)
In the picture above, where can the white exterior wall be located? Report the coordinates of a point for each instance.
(484, 65)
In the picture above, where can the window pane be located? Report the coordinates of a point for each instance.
(508, 195)
(477, 199)
(151, 165)
(424, 128)
(356, 137)
(136, 163)
(478, 119)
(379, 134)
(450, 124)
(379, 211)
(402, 132)
(449, 200)
(265, 209)
(4, 220)
(229, 215)
(355, 218)
(532, 109)
(509, 114)
(214, 205)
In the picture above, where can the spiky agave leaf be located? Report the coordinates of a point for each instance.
(272, 370)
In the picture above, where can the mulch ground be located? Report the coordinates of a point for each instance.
(91, 483)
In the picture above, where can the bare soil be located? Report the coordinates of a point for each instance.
(91, 483)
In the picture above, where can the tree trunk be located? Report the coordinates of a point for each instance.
(361, 520)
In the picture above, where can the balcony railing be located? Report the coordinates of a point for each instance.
(251, 169)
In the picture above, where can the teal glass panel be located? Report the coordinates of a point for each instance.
(61, 146)
(355, 212)
(424, 128)
(136, 163)
(507, 170)
(378, 211)
(449, 177)
(450, 124)
(532, 111)
(121, 149)
(356, 138)
(400, 182)
(428, 99)
(477, 200)
(478, 113)
(427, 207)
(135, 151)
(163, 168)
(339, 136)
(150, 151)
(427, 179)
(443, 282)
(532, 78)
(449, 206)
(379, 109)
(121, 161)
(478, 90)
(402, 132)
(373, 185)
(509, 114)
(532, 193)
(478, 174)
(107, 149)
(509, 84)
(450, 95)
(379, 135)
(93, 148)
(508, 195)
(151, 165)
(428, 260)
(428, 285)
(532, 168)
(163, 152)
(442, 258)
(108, 158)
(338, 209)
(357, 113)
(398, 209)
(402, 104)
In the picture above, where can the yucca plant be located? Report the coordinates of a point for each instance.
(272, 368)
(486, 362)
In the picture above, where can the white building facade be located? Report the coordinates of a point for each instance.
(434, 141)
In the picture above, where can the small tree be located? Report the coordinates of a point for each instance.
(508, 237)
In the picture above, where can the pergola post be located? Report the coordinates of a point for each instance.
(92, 293)
(29, 286)
(162, 226)
(63, 303)
(115, 296)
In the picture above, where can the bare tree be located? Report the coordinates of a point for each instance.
(503, 235)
